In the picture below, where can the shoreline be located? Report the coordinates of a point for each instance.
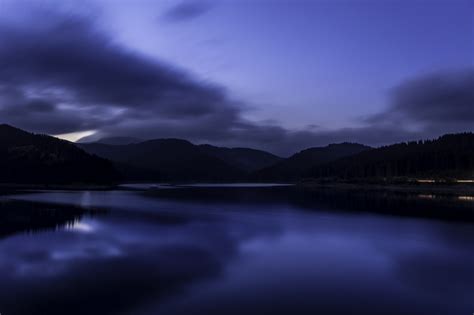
(420, 188)
(17, 187)
(457, 189)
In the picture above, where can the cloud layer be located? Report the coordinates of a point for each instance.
(66, 74)
(187, 10)
(434, 103)
(437, 99)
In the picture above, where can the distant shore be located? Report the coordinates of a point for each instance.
(457, 189)
(10, 187)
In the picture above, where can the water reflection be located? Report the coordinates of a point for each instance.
(233, 251)
(444, 207)
(466, 198)
(29, 217)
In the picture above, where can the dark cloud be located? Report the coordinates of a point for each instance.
(187, 10)
(40, 106)
(71, 58)
(66, 74)
(436, 103)
(442, 97)
(438, 98)
(67, 68)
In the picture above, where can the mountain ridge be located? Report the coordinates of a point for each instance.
(172, 156)
(450, 155)
(294, 167)
(168, 159)
(35, 158)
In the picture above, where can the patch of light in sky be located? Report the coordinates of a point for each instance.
(74, 136)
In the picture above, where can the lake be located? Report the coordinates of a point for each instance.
(235, 249)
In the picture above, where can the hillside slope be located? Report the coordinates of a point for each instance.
(246, 159)
(448, 156)
(41, 159)
(299, 164)
(165, 159)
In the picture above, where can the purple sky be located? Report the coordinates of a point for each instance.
(277, 75)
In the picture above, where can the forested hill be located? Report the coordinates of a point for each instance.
(41, 159)
(450, 156)
(30, 158)
(177, 159)
(164, 159)
(245, 159)
(299, 164)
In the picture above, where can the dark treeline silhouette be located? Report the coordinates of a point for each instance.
(29, 217)
(450, 156)
(40, 159)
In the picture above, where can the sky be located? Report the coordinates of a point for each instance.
(270, 74)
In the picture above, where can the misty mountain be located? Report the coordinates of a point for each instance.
(165, 159)
(248, 160)
(299, 164)
(115, 140)
(175, 159)
(30, 158)
(119, 140)
(450, 156)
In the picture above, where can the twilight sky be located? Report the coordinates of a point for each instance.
(271, 74)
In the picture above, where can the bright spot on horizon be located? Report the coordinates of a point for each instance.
(81, 227)
(74, 136)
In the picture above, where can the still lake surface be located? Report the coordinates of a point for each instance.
(235, 250)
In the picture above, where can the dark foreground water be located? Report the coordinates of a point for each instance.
(230, 250)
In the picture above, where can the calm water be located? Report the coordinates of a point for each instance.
(235, 250)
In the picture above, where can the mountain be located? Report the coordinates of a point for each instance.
(450, 156)
(30, 158)
(176, 159)
(248, 160)
(165, 159)
(110, 140)
(299, 164)
(119, 140)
